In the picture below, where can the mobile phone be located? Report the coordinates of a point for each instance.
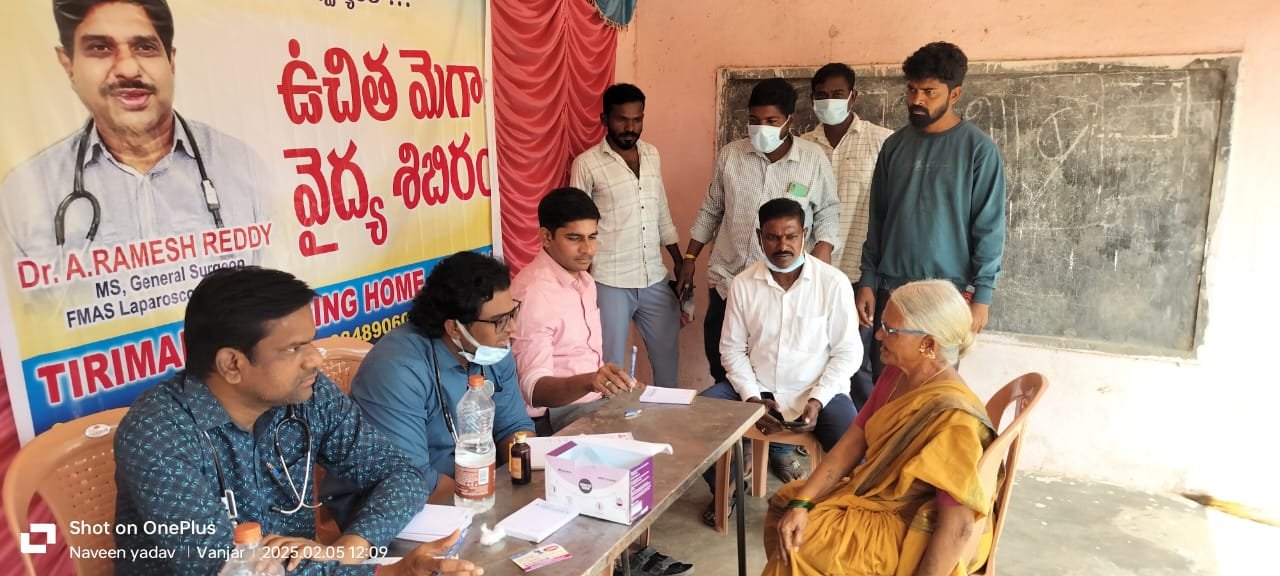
(786, 424)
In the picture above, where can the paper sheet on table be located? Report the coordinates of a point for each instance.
(382, 561)
(660, 395)
(536, 521)
(434, 522)
(541, 445)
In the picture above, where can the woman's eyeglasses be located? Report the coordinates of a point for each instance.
(502, 321)
(891, 330)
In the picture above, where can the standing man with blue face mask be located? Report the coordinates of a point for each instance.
(790, 341)
(852, 144)
(411, 382)
(768, 164)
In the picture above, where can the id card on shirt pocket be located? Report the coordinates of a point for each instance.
(798, 190)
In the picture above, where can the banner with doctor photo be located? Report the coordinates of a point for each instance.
(148, 143)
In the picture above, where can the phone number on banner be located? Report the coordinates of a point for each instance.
(376, 329)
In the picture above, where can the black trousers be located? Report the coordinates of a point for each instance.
(865, 378)
(712, 323)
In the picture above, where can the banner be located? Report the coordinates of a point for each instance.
(344, 141)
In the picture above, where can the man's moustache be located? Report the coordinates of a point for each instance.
(134, 85)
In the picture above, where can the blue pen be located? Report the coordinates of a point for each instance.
(631, 384)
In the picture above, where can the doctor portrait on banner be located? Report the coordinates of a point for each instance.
(155, 141)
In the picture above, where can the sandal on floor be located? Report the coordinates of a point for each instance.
(786, 468)
(709, 514)
(650, 562)
(801, 450)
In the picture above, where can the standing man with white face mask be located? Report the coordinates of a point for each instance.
(768, 164)
(852, 144)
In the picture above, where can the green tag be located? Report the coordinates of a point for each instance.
(798, 190)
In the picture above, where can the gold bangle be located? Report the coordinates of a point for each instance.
(688, 256)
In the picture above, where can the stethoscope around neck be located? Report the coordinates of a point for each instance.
(78, 192)
(228, 497)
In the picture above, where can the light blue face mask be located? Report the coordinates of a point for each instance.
(795, 264)
(484, 355)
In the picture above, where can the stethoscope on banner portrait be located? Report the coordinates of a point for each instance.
(78, 192)
(228, 497)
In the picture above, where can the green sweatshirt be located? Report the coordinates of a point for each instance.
(937, 211)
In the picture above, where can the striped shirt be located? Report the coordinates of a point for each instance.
(635, 222)
(854, 161)
(743, 180)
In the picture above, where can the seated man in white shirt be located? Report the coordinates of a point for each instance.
(790, 341)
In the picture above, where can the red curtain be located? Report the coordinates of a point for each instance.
(552, 59)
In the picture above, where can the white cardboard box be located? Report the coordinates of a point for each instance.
(604, 482)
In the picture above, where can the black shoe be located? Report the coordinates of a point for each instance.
(709, 514)
(649, 562)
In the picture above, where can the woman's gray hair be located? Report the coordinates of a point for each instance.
(936, 307)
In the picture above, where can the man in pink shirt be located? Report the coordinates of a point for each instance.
(557, 343)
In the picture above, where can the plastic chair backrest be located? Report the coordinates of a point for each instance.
(1022, 393)
(72, 466)
(342, 357)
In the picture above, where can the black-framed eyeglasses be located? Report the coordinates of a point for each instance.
(502, 321)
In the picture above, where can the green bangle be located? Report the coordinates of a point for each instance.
(801, 503)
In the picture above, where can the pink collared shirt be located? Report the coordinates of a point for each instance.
(558, 333)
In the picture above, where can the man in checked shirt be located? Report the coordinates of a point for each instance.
(623, 176)
(852, 144)
(768, 164)
(236, 438)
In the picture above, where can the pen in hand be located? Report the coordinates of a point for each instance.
(631, 383)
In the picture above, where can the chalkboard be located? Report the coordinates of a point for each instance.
(1113, 171)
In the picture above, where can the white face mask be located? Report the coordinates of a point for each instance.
(831, 111)
(798, 262)
(484, 355)
(766, 139)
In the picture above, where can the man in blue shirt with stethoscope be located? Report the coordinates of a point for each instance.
(237, 438)
(137, 169)
(411, 382)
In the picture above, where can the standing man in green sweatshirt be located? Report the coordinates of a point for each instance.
(937, 196)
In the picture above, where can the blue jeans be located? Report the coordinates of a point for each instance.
(657, 316)
(833, 421)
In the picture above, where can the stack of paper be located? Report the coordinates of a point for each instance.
(536, 521)
(435, 522)
(660, 395)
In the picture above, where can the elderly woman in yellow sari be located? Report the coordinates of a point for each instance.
(912, 507)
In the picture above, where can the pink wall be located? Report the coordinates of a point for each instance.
(1137, 421)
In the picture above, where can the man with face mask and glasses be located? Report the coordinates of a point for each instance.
(411, 382)
(937, 196)
(852, 144)
(768, 164)
(790, 341)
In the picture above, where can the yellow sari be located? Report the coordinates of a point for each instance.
(879, 521)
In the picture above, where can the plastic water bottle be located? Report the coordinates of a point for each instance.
(474, 456)
(249, 559)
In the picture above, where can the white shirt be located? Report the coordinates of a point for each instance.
(743, 180)
(635, 222)
(799, 343)
(854, 161)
